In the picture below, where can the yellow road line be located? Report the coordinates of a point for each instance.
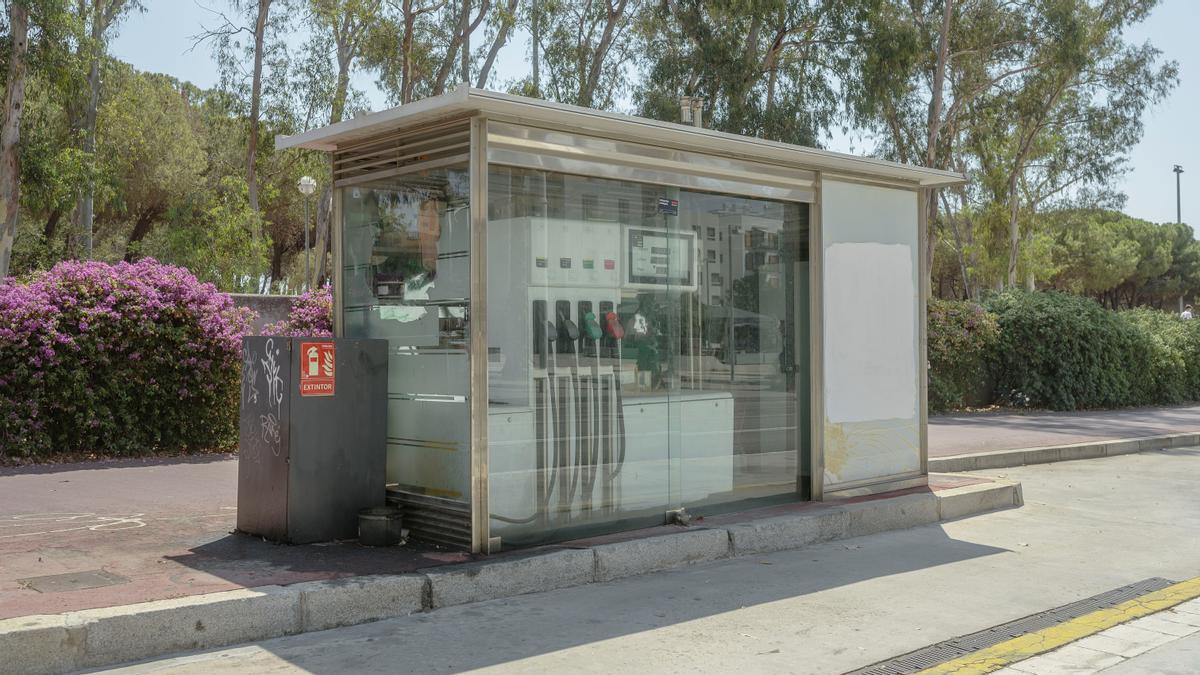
(1020, 648)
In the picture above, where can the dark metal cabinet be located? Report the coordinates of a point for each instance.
(309, 460)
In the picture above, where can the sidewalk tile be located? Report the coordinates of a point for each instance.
(1189, 607)
(1069, 660)
(1160, 624)
(1125, 641)
(1180, 617)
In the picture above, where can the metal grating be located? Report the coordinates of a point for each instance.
(435, 520)
(941, 652)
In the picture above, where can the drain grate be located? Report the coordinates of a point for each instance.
(942, 652)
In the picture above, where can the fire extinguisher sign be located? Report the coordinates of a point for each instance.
(317, 368)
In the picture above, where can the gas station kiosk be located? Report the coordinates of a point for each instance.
(597, 322)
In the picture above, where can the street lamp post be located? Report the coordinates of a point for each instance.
(1178, 205)
(306, 185)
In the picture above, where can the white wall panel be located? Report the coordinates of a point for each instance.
(871, 332)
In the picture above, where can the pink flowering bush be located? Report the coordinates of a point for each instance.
(122, 359)
(311, 315)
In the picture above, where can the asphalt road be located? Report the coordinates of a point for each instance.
(1087, 527)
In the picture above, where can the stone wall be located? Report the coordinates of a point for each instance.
(268, 308)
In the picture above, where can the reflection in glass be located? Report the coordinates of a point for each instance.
(405, 257)
(647, 350)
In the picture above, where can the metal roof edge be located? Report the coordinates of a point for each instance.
(640, 129)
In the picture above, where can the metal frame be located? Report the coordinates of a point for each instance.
(481, 541)
(923, 197)
(519, 144)
(335, 242)
(817, 322)
(874, 486)
(816, 343)
(466, 100)
(790, 173)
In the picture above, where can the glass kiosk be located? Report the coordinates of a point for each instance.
(598, 323)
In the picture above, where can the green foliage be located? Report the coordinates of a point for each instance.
(961, 337)
(1064, 352)
(1170, 371)
(217, 244)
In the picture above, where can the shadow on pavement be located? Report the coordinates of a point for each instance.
(448, 640)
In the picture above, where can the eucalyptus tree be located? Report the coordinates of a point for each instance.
(766, 68)
(35, 39)
(585, 46)
(100, 19)
(151, 149)
(1088, 86)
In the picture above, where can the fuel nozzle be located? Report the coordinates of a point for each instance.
(591, 327)
(613, 327)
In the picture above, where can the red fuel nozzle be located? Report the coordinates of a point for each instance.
(612, 326)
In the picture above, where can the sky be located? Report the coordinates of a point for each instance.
(161, 40)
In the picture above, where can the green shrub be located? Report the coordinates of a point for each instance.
(1171, 373)
(961, 337)
(1066, 352)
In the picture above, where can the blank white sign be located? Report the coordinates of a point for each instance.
(870, 334)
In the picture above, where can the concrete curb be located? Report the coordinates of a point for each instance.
(1001, 459)
(101, 637)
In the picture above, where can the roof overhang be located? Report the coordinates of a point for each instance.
(469, 101)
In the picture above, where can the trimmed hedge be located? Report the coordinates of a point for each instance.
(121, 359)
(1059, 351)
(961, 338)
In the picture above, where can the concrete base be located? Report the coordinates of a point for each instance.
(1001, 459)
(91, 638)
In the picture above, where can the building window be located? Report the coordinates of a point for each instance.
(712, 234)
(712, 255)
(715, 279)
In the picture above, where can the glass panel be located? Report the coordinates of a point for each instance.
(613, 329)
(738, 384)
(405, 255)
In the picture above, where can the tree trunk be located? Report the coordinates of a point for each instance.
(51, 226)
(934, 128)
(141, 228)
(260, 29)
(612, 16)
(86, 216)
(10, 132)
(500, 40)
(537, 48)
(323, 243)
(1014, 230)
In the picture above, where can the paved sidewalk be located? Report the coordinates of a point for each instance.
(83, 536)
(960, 434)
(136, 530)
(823, 609)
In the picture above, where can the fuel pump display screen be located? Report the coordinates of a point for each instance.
(660, 259)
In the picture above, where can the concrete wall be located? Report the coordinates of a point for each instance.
(269, 308)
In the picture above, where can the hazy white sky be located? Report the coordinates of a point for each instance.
(160, 39)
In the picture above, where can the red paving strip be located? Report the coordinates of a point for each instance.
(166, 526)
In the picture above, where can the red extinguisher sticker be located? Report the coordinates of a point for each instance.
(317, 368)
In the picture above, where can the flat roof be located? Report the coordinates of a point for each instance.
(466, 100)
